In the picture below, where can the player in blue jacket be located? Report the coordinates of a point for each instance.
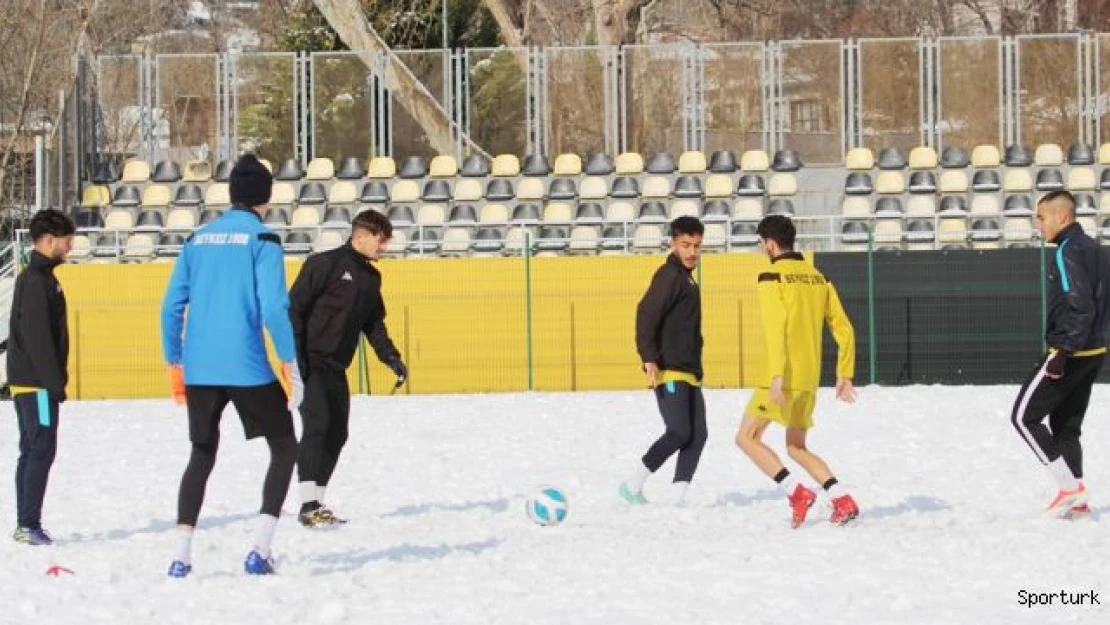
(231, 278)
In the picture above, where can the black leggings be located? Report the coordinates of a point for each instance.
(283, 456)
(683, 410)
(325, 413)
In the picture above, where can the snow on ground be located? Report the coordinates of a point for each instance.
(434, 485)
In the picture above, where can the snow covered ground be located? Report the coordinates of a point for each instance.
(949, 532)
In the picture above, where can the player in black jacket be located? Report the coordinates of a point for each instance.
(669, 341)
(1060, 386)
(337, 296)
(38, 350)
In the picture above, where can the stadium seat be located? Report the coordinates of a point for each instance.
(647, 238)
(747, 209)
(105, 172)
(691, 162)
(188, 195)
(1048, 155)
(166, 172)
(986, 181)
(351, 169)
(208, 215)
(620, 212)
(499, 190)
(494, 214)
(890, 183)
(139, 247)
(984, 205)
(282, 194)
(298, 243)
(614, 239)
(424, 241)
(891, 158)
(135, 172)
(462, 215)
(305, 216)
(723, 162)
(1017, 205)
(517, 238)
(1017, 230)
(1085, 204)
(1018, 156)
(953, 205)
(197, 171)
(119, 219)
(859, 159)
(855, 207)
(888, 233)
(404, 191)
(558, 213)
(782, 184)
(780, 206)
(954, 157)
(715, 211)
(97, 196)
(599, 165)
(1104, 180)
(1049, 180)
(589, 213)
(567, 165)
(687, 186)
(488, 241)
(169, 245)
(718, 186)
(331, 239)
(88, 219)
(743, 235)
(536, 165)
(985, 157)
(530, 189)
(584, 239)
(475, 166)
(888, 207)
(921, 206)
(505, 166)
(661, 163)
(400, 215)
(786, 160)
(374, 192)
(920, 234)
(436, 191)
(1103, 154)
(126, 195)
(952, 231)
(627, 187)
(1081, 179)
(593, 188)
(922, 182)
(525, 214)
(923, 157)
(290, 171)
(629, 163)
(562, 189)
(715, 237)
(468, 190)
(1080, 154)
(311, 193)
(413, 167)
(1017, 181)
(182, 219)
(683, 208)
(276, 216)
(656, 187)
(342, 192)
(652, 212)
(456, 241)
(443, 166)
(149, 220)
(381, 167)
(553, 238)
(755, 161)
(858, 183)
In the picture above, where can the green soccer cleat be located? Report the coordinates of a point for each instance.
(636, 499)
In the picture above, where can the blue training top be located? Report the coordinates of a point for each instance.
(231, 276)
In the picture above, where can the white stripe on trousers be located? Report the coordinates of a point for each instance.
(1019, 412)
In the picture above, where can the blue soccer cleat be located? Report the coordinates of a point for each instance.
(32, 536)
(257, 565)
(636, 499)
(180, 569)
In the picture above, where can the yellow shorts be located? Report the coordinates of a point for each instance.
(796, 413)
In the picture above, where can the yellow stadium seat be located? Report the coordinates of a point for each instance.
(691, 162)
(443, 166)
(505, 165)
(567, 165)
(320, 168)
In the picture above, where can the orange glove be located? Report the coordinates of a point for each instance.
(177, 384)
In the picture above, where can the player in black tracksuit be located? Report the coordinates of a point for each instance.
(1060, 385)
(669, 341)
(337, 296)
(38, 351)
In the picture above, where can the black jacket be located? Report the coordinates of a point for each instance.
(337, 295)
(38, 346)
(1078, 302)
(668, 320)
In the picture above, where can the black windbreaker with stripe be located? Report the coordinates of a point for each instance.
(1078, 302)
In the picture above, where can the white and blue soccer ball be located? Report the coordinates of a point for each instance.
(547, 506)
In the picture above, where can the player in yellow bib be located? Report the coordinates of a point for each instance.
(796, 301)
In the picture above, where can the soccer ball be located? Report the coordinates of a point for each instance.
(547, 506)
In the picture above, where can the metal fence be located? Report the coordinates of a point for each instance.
(820, 98)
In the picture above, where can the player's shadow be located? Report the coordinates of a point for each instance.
(912, 504)
(741, 498)
(493, 505)
(347, 561)
(159, 526)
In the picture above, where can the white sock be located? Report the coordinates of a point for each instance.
(1062, 474)
(320, 490)
(679, 492)
(789, 484)
(636, 482)
(836, 491)
(184, 551)
(264, 534)
(308, 492)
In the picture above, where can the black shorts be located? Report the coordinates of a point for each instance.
(262, 409)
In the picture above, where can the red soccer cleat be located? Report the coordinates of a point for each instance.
(800, 502)
(1066, 500)
(844, 510)
(1082, 511)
